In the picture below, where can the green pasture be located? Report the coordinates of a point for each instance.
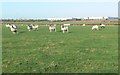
(79, 51)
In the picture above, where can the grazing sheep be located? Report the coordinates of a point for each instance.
(32, 27)
(95, 27)
(12, 27)
(52, 28)
(64, 28)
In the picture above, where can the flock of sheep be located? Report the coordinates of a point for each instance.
(52, 28)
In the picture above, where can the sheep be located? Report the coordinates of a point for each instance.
(64, 28)
(95, 27)
(12, 27)
(32, 27)
(52, 28)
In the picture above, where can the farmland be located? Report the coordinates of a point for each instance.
(79, 51)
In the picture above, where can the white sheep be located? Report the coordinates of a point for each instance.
(95, 27)
(64, 28)
(12, 27)
(32, 26)
(52, 28)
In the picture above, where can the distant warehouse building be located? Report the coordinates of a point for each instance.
(95, 18)
(58, 19)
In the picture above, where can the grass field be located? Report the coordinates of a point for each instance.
(79, 51)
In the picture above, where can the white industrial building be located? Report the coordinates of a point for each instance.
(85, 18)
(53, 19)
(95, 18)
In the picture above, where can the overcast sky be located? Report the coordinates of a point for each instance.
(58, 8)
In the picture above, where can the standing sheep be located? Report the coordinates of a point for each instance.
(95, 27)
(64, 28)
(52, 28)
